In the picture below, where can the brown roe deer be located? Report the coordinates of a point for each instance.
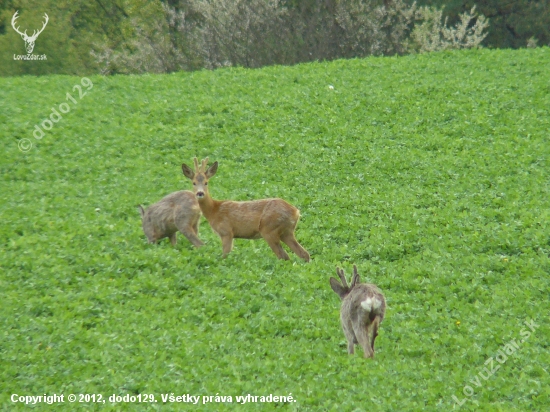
(273, 219)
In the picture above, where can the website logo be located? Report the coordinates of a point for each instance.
(29, 40)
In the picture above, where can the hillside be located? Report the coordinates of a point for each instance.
(430, 172)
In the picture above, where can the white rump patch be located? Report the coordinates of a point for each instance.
(370, 304)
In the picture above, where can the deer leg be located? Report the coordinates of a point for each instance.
(192, 237)
(350, 336)
(293, 244)
(186, 228)
(188, 231)
(278, 250)
(274, 243)
(196, 227)
(351, 341)
(363, 339)
(227, 244)
(173, 238)
(375, 323)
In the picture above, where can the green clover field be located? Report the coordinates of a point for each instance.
(429, 172)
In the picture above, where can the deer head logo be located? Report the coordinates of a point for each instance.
(29, 40)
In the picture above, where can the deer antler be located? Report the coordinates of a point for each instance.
(13, 19)
(355, 279)
(340, 273)
(34, 33)
(204, 163)
(196, 162)
(24, 34)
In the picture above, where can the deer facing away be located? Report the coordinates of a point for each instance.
(272, 219)
(177, 211)
(363, 308)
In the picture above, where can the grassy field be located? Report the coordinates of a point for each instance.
(429, 172)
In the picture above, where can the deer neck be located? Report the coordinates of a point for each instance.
(208, 206)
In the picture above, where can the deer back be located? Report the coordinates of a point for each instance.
(159, 220)
(363, 303)
(247, 219)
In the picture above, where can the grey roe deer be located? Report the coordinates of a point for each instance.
(177, 211)
(363, 308)
(272, 219)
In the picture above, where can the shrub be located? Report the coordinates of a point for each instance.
(194, 34)
(433, 35)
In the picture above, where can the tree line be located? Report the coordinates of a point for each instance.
(138, 36)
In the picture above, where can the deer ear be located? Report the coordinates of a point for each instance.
(212, 170)
(187, 171)
(338, 288)
(141, 211)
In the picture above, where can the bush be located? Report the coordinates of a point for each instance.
(433, 35)
(194, 34)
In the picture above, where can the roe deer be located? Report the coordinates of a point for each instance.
(177, 211)
(273, 219)
(363, 308)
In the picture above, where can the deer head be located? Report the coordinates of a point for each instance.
(29, 40)
(200, 176)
